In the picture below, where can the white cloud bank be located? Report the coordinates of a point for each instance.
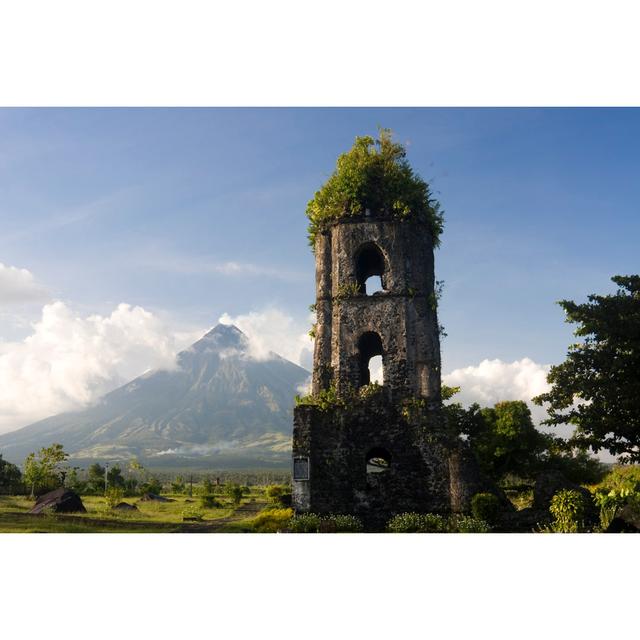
(494, 380)
(19, 286)
(68, 361)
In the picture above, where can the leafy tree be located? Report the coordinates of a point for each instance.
(10, 476)
(43, 470)
(506, 440)
(597, 387)
(95, 481)
(374, 175)
(151, 485)
(115, 477)
(509, 447)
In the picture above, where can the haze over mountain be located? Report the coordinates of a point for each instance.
(218, 406)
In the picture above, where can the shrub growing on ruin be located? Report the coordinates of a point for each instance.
(374, 176)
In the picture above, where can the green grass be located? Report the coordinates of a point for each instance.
(152, 517)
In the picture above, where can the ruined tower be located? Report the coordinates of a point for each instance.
(367, 449)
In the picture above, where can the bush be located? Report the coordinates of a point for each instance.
(272, 520)
(313, 523)
(341, 524)
(278, 494)
(485, 506)
(417, 523)
(273, 492)
(435, 523)
(113, 496)
(209, 502)
(152, 485)
(467, 524)
(305, 523)
(611, 502)
(568, 509)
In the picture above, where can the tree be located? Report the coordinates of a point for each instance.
(597, 388)
(506, 441)
(115, 477)
(177, 486)
(43, 471)
(10, 476)
(95, 480)
(235, 492)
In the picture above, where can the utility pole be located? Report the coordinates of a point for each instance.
(191, 485)
(106, 477)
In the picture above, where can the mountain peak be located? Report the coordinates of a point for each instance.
(222, 336)
(224, 330)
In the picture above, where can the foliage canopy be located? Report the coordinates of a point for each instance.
(376, 176)
(43, 471)
(597, 387)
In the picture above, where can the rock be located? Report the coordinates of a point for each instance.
(60, 501)
(125, 506)
(154, 497)
(627, 520)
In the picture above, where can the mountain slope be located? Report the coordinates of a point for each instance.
(217, 401)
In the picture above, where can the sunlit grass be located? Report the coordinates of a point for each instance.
(151, 516)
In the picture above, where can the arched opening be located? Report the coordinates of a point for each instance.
(369, 346)
(370, 268)
(378, 460)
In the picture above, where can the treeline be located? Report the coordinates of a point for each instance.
(48, 469)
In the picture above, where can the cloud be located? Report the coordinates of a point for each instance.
(494, 380)
(68, 362)
(19, 286)
(273, 331)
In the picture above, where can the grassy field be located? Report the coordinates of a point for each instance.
(151, 517)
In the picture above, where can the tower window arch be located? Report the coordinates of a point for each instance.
(370, 268)
(369, 347)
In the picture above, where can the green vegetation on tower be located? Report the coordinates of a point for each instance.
(375, 176)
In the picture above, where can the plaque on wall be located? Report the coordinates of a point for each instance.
(301, 468)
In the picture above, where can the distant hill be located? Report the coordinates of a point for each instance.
(217, 407)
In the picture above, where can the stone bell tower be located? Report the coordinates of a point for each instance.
(360, 448)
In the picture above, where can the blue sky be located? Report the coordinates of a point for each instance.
(193, 213)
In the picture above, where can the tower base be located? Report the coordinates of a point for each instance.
(372, 459)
